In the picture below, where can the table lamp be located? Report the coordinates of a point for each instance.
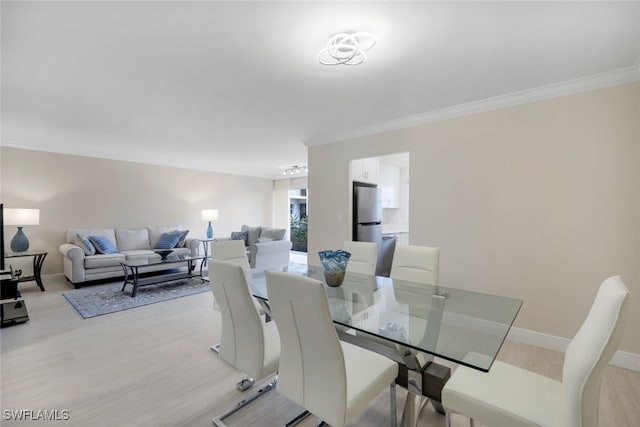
(20, 218)
(210, 215)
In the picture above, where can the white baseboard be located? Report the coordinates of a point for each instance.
(623, 359)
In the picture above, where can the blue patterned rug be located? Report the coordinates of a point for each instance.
(97, 300)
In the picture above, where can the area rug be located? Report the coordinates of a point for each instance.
(98, 300)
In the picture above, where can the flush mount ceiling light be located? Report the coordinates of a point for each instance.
(347, 49)
(295, 170)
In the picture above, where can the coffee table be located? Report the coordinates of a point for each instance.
(133, 268)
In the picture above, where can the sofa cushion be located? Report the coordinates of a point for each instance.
(86, 245)
(168, 240)
(106, 260)
(273, 233)
(252, 234)
(139, 253)
(132, 239)
(264, 239)
(240, 235)
(182, 251)
(103, 245)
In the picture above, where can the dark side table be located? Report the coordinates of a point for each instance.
(38, 260)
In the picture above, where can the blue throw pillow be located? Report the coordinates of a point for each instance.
(168, 240)
(103, 245)
(183, 238)
(240, 235)
(85, 244)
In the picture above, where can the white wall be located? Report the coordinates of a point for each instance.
(539, 201)
(74, 191)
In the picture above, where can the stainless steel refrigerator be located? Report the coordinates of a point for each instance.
(367, 213)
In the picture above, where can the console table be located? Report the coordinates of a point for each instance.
(38, 261)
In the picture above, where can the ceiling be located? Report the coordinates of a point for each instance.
(235, 87)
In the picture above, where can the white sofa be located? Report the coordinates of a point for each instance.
(265, 246)
(131, 243)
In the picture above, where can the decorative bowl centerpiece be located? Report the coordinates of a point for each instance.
(335, 265)
(164, 253)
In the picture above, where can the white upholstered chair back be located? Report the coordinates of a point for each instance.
(591, 350)
(232, 251)
(364, 256)
(243, 331)
(416, 264)
(312, 368)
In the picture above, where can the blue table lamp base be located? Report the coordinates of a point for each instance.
(19, 243)
(210, 231)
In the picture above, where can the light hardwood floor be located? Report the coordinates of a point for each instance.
(152, 366)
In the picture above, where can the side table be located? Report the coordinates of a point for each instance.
(38, 260)
(205, 243)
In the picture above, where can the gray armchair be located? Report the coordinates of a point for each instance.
(265, 246)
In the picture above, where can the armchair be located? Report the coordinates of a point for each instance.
(266, 248)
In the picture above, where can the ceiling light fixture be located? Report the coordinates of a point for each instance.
(295, 170)
(347, 49)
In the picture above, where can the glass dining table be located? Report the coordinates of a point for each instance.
(414, 323)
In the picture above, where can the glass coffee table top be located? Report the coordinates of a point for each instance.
(171, 259)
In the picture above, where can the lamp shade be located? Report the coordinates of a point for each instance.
(21, 216)
(210, 214)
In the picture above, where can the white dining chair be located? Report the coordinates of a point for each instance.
(232, 251)
(508, 396)
(248, 343)
(418, 264)
(421, 265)
(364, 256)
(333, 380)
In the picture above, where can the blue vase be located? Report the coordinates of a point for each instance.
(19, 243)
(335, 265)
(210, 231)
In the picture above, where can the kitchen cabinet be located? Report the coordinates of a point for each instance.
(365, 170)
(389, 183)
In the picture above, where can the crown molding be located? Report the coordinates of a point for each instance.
(584, 84)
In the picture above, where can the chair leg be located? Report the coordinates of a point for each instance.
(218, 421)
(471, 422)
(447, 419)
(392, 399)
(297, 419)
(245, 384)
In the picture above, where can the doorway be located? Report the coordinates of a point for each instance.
(386, 218)
(298, 219)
